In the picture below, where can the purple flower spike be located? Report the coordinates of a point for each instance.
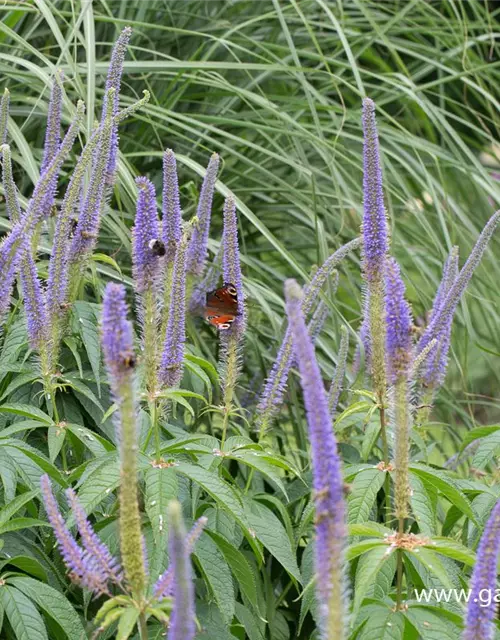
(399, 323)
(93, 546)
(83, 570)
(34, 302)
(374, 218)
(328, 485)
(52, 137)
(434, 369)
(172, 214)
(482, 611)
(439, 324)
(182, 623)
(172, 360)
(197, 254)
(113, 81)
(11, 252)
(231, 266)
(145, 234)
(164, 584)
(117, 336)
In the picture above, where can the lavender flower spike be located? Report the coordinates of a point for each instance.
(34, 303)
(119, 357)
(231, 265)
(172, 360)
(172, 214)
(331, 530)
(83, 570)
(9, 186)
(375, 245)
(338, 378)
(144, 233)
(479, 623)
(4, 115)
(11, 252)
(52, 137)
(197, 254)
(182, 623)
(92, 545)
(399, 323)
(436, 361)
(113, 81)
(164, 584)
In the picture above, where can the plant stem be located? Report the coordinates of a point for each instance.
(385, 454)
(143, 627)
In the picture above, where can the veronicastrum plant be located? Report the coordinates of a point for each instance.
(319, 544)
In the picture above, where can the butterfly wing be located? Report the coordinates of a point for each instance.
(221, 308)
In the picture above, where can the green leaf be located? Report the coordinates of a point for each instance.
(87, 319)
(22, 614)
(220, 491)
(216, 572)
(254, 459)
(28, 411)
(250, 622)
(488, 448)
(433, 564)
(446, 486)
(272, 534)
(355, 413)
(92, 440)
(18, 382)
(127, 623)
(240, 567)
(423, 506)
(369, 565)
(56, 437)
(475, 434)
(430, 626)
(383, 624)
(453, 549)
(53, 603)
(97, 486)
(17, 503)
(161, 488)
(363, 494)
(22, 523)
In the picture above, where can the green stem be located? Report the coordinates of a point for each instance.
(143, 627)
(385, 454)
(155, 427)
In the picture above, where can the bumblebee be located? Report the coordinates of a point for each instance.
(157, 247)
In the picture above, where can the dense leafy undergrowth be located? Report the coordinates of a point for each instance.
(319, 509)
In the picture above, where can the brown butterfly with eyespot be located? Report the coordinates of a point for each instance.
(221, 308)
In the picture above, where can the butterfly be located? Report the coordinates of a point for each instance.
(221, 309)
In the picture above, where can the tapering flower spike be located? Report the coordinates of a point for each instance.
(4, 115)
(182, 623)
(331, 530)
(93, 546)
(338, 378)
(164, 584)
(34, 303)
(481, 614)
(434, 369)
(52, 137)
(9, 187)
(11, 252)
(83, 569)
(144, 235)
(231, 264)
(113, 81)
(399, 368)
(172, 214)
(375, 246)
(119, 357)
(399, 323)
(172, 360)
(272, 394)
(198, 247)
(442, 320)
(89, 220)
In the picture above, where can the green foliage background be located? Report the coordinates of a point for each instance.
(275, 87)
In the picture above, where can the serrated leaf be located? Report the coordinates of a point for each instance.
(99, 484)
(161, 488)
(55, 437)
(17, 503)
(27, 411)
(475, 434)
(18, 382)
(368, 567)
(220, 491)
(22, 614)
(453, 549)
(239, 566)
(446, 486)
(250, 622)
(217, 575)
(430, 626)
(21, 523)
(363, 494)
(8, 474)
(272, 534)
(254, 460)
(86, 316)
(489, 448)
(383, 624)
(53, 603)
(422, 506)
(355, 413)
(433, 564)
